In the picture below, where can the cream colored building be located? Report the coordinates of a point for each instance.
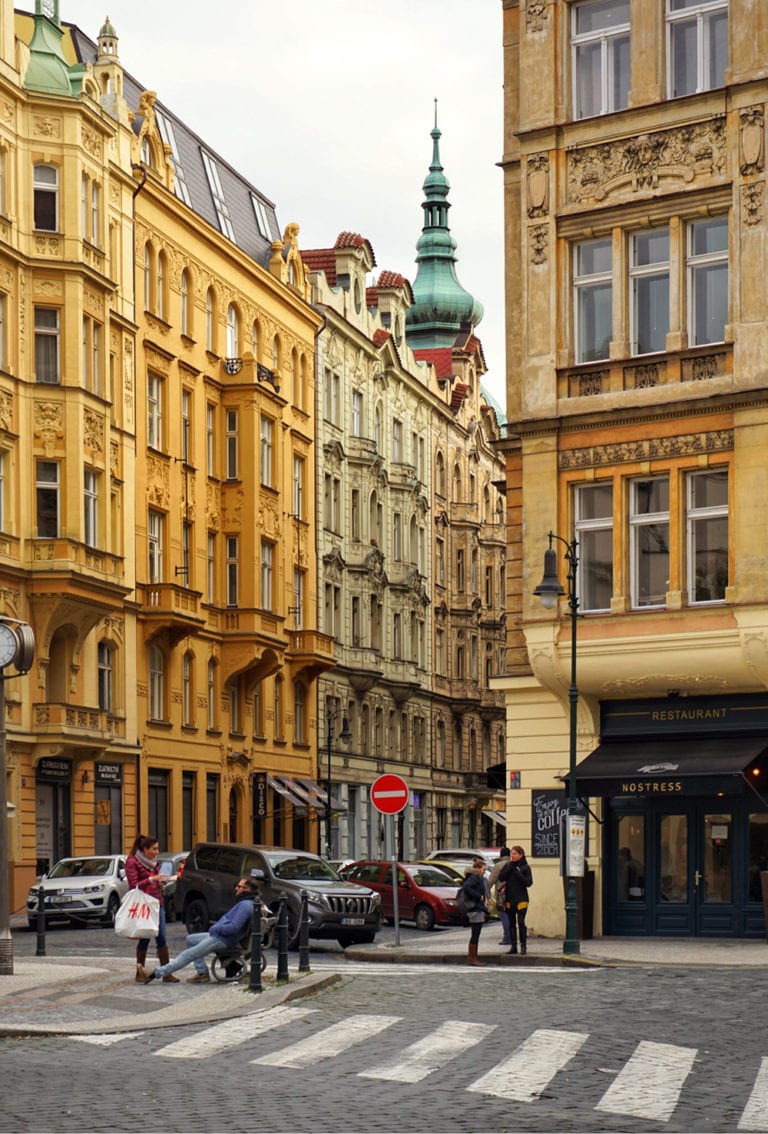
(634, 162)
(411, 551)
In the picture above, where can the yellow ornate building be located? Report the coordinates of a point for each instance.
(636, 387)
(156, 470)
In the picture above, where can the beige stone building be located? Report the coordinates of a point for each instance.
(411, 556)
(634, 161)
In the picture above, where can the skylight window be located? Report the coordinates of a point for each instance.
(219, 200)
(165, 126)
(262, 220)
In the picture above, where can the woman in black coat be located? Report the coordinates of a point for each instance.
(476, 901)
(517, 878)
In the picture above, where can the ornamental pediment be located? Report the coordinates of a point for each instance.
(645, 161)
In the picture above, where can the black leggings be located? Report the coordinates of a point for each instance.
(519, 916)
(474, 931)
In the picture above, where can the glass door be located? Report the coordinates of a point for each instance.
(694, 872)
(713, 874)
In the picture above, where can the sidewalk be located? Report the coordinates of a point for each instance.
(59, 997)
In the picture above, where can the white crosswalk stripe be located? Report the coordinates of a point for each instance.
(329, 1042)
(106, 1039)
(231, 1033)
(445, 1043)
(524, 1075)
(650, 1082)
(755, 1116)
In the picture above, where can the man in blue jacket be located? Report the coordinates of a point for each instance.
(226, 932)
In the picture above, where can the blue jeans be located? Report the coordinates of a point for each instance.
(198, 945)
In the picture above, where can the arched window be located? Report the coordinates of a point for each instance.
(378, 732)
(233, 332)
(472, 488)
(187, 692)
(104, 663)
(156, 684)
(185, 305)
(147, 277)
(487, 504)
(440, 474)
(162, 276)
(276, 354)
(278, 708)
(255, 339)
(211, 694)
(210, 320)
(46, 198)
(456, 484)
(299, 713)
(377, 426)
(146, 152)
(301, 399)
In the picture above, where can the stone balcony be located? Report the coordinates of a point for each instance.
(168, 610)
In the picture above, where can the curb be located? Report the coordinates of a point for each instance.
(304, 986)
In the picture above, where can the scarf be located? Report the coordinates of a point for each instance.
(149, 864)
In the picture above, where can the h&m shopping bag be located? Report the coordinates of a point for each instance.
(138, 916)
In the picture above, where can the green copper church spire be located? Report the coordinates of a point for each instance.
(48, 70)
(443, 307)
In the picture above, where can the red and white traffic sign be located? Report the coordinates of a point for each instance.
(389, 794)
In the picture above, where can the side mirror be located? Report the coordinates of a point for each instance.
(257, 875)
(404, 885)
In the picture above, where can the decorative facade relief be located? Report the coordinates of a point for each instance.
(752, 202)
(537, 166)
(686, 445)
(538, 236)
(93, 431)
(158, 489)
(49, 421)
(591, 383)
(91, 143)
(680, 155)
(699, 367)
(535, 15)
(6, 411)
(752, 141)
(46, 126)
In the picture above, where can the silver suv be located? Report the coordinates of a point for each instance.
(350, 914)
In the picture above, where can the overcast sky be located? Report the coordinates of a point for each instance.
(327, 105)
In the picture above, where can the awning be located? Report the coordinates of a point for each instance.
(317, 802)
(656, 767)
(316, 791)
(496, 817)
(282, 788)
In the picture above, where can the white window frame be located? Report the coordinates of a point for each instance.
(155, 545)
(185, 306)
(298, 487)
(298, 598)
(233, 332)
(233, 569)
(584, 528)
(608, 39)
(156, 684)
(266, 451)
(210, 437)
(90, 508)
(639, 273)
(49, 188)
(154, 412)
(638, 521)
(165, 126)
(105, 675)
(397, 440)
(357, 413)
(50, 485)
(694, 515)
(702, 15)
(211, 567)
(267, 568)
(582, 284)
(186, 425)
(45, 373)
(700, 263)
(231, 440)
(262, 219)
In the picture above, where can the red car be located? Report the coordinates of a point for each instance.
(425, 893)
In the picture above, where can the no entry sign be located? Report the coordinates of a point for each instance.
(389, 794)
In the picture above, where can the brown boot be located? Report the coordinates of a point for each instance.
(473, 959)
(141, 960)
(164, 958)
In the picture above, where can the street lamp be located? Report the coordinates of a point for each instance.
(549, 591)
(344, 736)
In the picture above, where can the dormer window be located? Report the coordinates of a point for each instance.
(358, 296)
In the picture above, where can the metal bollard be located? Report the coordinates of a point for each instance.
(254, 984)
(282, 937)
(40, 950)
(304, 934)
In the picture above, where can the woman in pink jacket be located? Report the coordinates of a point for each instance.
(143, 873)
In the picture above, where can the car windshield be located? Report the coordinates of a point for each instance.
(299, 867)
(81, 867)
(432, 876)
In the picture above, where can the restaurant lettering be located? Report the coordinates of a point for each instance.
(689, 714)
(648, 787)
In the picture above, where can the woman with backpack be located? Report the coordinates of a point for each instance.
(473, 898)
(516, 878)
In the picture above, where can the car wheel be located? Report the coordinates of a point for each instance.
(113, 905)
(424, 916)
(293, 929)
(389, 920)
(364, 937)
(196, 916)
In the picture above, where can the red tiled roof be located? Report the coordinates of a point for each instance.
(380, 337)
(460, 391)
(321, 260)
(349, 240)
(440, 357)
(371, 297)
(391, 279)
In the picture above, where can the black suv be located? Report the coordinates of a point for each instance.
(350, 914)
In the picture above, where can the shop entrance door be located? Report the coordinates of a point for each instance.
(691, 891)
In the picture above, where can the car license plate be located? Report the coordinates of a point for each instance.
(61, 899)
(353, 921)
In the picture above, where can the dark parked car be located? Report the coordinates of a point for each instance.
(337, 909)
(172, 864)
(425, 893)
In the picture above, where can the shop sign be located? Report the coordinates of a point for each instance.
(651, 787)
(548, 810)
(680, 716)
(108, 773)
(57, 771)
(259, 794)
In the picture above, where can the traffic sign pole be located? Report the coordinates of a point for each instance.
(389, 795)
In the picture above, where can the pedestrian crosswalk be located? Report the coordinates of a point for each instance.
(651, 1084)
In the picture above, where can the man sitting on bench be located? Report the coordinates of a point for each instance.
(224, 933)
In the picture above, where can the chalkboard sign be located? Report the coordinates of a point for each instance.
(548, 808)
